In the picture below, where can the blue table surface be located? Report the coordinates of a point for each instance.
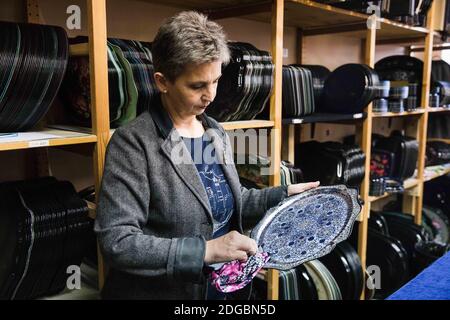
(433, 283)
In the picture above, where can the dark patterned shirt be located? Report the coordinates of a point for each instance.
(219, 193)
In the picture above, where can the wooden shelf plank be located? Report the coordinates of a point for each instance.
(434, 172)
(78, 129)
(325, 117)
(317, 18)
(47, 137)
(397, 114)
(439, 109)
(202, 4)
(408, 184)
(411, 183)
(247, 124)
(376, 198)
(312, 17)
(395, 30)
(231, 125)
(439, 139)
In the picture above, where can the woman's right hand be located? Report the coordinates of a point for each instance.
(229, 247)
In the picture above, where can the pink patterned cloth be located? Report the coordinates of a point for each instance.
(235, 275)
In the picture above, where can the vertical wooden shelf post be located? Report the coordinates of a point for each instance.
(275, 115)
(32, 11)
(37, 160)
(364, 139)
(98, 64)
(423, 122)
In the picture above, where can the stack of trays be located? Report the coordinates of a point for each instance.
(437, 224)
(319, 75)
(440, 92)
(345, 266)
(33, 60)
(130, 81)
(406, 152)
(386, 252)
(435, 99)
(377, 187)
(404, 229)
(330, 162)
(437, 194)
(392, 161)
(438, 152)
(290, 174)
(246, 84)
(405, 73)
(326, 284)
(394, 186)
(398, 93)
(381, 103)
(412, 102)
(250, 167)
(310, 281)
(349, 89)
(44, 229)
(135, 56)
(402, 96)
(298, 92)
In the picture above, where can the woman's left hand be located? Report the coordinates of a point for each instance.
(301, 187)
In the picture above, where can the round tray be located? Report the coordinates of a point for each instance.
(307, 226)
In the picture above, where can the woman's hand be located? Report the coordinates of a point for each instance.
(229, 247)
(301, 187)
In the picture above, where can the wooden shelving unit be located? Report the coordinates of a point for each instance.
(310, 18)
(315, 19)
(50, 137)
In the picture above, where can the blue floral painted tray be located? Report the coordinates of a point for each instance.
(307, 226)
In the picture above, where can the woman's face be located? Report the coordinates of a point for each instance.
(194, 89)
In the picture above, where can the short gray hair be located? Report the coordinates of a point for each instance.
(188, 37)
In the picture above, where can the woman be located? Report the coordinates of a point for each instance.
(163, 216)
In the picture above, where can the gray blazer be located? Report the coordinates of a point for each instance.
(153, 214)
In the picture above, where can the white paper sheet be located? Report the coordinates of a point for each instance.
(26, 136)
